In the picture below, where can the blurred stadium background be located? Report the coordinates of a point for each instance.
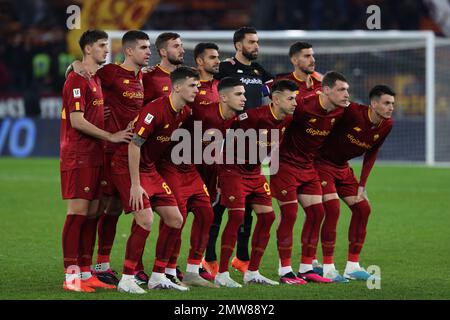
(37, 47)
(408, 233)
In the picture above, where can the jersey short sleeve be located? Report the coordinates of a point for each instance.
(147, 122)
(76, 94)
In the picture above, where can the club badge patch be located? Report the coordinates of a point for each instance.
(76, 93)
(148, 119)
(243, 116)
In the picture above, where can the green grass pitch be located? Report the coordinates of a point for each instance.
(408, 238)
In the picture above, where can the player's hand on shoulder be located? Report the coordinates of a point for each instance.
(148, 69)
(230, 60)
(122, 136)
(136, 197)
(80, 69)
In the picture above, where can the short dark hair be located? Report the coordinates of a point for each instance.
(133, 36)
(228, 82)
(90, 37)
(202, 46)
(282, 85)
(297, 47)
(379, 90)
(330, 78)
(240, 33)
(161, 40)
(182, 73)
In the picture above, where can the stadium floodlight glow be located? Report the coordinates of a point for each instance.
(404, 59)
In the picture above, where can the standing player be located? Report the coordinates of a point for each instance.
(206, 57)
(297, 179)
(124, 95)
(361, 131)
(244, 182)
(308, 81)
(157, 81)
(304, 75)
(123, 90)
(140, 185)
(81, 161)
(253, 77)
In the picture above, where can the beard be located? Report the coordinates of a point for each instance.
(212, 70)
(250, 56)
(175, 61)
(307, 71)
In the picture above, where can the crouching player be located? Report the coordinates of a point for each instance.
(361, 131)
(141, 187)
(242, 181)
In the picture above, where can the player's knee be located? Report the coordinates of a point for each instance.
(175, 221)
(364, 208)
(146, 224)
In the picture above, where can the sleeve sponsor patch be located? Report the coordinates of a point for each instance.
(243, 116)
(76, 93)
(148, 118)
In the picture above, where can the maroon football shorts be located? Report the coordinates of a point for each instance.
(81, 183)
(337, 179)
(187, 186)
(157, 189)
(290, 181)
(237, 190)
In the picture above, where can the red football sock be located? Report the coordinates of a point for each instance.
(135, 247)
(87, 241)
(165, 244)
(203, 218)
(229, 237)
(260, 238)
(357, 229)
(140, 263)
(284, 232)
(328, 233)
(107, 225)
(71, 238)
(311, 229)
(177, 245)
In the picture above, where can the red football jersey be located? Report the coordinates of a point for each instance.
(310, 127)
(212, 120)
(305, 88)
(263, 120)
(207, 93)
(124, 95)
(156, 122)
(76, 148)
(156, 84)
(354, 136)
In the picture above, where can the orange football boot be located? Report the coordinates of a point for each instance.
(240, 265)
(93, 282)
(212, 267)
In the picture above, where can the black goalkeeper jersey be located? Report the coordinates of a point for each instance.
(252, 77)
